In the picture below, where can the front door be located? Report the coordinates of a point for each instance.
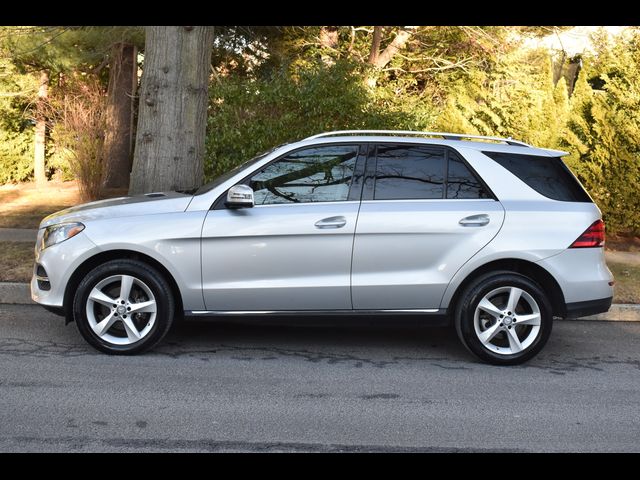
(292, 250)
(423, 215)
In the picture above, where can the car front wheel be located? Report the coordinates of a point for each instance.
(123, 307)
(504, 318)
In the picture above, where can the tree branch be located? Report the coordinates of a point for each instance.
(398, 43)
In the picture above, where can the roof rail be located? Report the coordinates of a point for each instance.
(445, 135)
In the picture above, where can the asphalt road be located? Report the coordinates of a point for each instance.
(221, 387)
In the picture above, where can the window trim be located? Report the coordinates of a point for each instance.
(372, 166)
(219, 203)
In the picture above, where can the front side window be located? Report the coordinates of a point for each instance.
(409, 172)
(317, 174)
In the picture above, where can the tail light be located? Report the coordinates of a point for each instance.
(592, 236)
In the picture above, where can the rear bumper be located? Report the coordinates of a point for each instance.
(582, 275)
(590, 307)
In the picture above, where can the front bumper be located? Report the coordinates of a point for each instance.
(60, 261)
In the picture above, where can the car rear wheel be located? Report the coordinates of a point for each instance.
(504, 318)
(123, 307)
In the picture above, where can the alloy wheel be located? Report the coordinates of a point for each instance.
(121, 309)
(507, 320)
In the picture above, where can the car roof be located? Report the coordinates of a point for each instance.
(480, 143)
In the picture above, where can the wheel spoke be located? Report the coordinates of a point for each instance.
(514, 341)
(97, 296)
(514, 298)
(103, 326)
(126, 282)
(532, 319)
(132, 332)
(143, 307)
(489, 307)
(486, 336)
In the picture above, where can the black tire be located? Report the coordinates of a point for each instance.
(476, 291)
(154, 280)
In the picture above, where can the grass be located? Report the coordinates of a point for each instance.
(24, 205)
(16, 261)
(623, 243)
(627, 288)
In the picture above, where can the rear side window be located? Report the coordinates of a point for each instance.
(409, 172)
(461, 183)
(548, 176)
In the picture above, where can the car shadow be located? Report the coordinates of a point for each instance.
(356, 341)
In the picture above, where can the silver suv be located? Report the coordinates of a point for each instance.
(488, 234)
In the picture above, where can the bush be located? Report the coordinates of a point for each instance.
(249, 116)
(78, 114)
(603, 132)
(16, 131)
(16, 155)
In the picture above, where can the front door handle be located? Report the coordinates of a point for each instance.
(475, 220)
(331, 222)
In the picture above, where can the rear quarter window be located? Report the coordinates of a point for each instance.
(548, 176)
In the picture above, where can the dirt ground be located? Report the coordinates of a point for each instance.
(23, 205)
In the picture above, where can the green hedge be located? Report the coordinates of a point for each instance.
(247, 117)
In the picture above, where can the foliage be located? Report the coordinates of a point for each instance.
(248, 117)
(16, 131)
(272, 85)
(514, 97)
(63, 51)
(78, 114)
(603, 132)
(462, 79)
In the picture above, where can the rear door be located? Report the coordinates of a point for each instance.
(424, 214)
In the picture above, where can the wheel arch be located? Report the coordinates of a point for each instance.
(524, 267)
(120, 254)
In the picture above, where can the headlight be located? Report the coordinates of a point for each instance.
(60, 233)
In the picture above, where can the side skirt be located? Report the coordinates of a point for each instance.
(430, 317)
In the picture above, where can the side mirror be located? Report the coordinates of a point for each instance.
(239, 196)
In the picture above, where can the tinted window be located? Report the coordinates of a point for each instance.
(319, 174)
(461, 183)
(409, 172)
(548, 176)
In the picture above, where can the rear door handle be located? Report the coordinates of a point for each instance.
(331, 222)
(475, 220)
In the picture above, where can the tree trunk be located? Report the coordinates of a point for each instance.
(328, 40)
(381, 59)
(119, 129)
(172, 116)
(41, 130)
(375, 45)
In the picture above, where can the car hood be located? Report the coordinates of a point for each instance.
(147, 204)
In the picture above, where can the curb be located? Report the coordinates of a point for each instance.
(619, 312)
(19, 293)
(15, 293)
(18, 235)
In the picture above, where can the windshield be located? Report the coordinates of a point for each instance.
(226, 176)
